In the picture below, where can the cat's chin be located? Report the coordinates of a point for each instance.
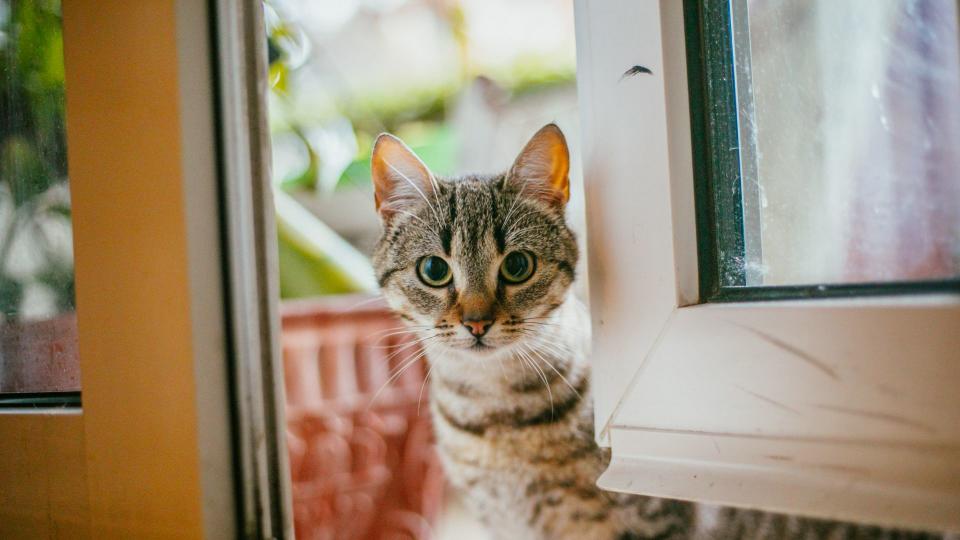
(477, 349)
(483, 350)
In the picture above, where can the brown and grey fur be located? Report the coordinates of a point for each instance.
(513, 420)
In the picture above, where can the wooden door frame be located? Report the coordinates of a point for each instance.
(178, 433)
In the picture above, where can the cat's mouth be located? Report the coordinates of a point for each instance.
(480, 346)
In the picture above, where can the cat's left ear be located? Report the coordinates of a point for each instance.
(400, 179)
(542, 168)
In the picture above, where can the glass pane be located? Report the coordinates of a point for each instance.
(38, 351)
(465, 83)
(849, 118)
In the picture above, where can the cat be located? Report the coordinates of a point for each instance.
(480, 268)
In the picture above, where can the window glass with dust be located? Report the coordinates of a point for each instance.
(849, 130)
(38, 344)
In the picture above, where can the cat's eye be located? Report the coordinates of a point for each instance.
(517, 267)
(434, 271)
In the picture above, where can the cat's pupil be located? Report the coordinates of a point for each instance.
(516, 264)
(435, 268)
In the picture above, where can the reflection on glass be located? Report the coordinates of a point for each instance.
(849, 116)
(37, 327)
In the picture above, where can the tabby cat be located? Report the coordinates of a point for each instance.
(480, 268)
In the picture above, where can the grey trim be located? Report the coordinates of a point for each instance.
(208, 318)
(263, 485)
(751, 207)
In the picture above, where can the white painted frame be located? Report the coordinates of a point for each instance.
(844, 409)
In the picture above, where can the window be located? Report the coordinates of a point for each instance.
(773, 268)
(38, 337)
(830, 172)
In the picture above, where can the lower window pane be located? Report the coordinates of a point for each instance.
(849, 128)
(38, 351)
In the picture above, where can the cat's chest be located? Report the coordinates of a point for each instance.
(502, 496)
(470, 458)
(511, 463)
(509, 449)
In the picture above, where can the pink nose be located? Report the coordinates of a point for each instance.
(478, 328)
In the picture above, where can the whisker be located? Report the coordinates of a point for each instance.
(436, 197)
(555, 370)
(526, 363)
(502, 371)
(424, 384)
(387, 332)
(512, 234)
(558, 349)
(376, 345)
(414, 216)
(544, 321)
(401, 349)
(416, 336)
(401, 327)
(555, 325)
(408, 346)
(562, 349)
(364, 302)
(395, 376)
(543, 377)
(516, 200)
(517, 220)
(435, 211)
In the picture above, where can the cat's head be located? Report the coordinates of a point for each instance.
(478, 263)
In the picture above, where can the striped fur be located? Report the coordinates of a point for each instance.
(513, 419)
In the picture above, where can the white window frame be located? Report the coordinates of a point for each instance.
(836, 408)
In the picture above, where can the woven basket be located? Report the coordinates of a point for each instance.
(361, 468)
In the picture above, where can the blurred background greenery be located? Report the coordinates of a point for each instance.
(463, 82)
(36, 256)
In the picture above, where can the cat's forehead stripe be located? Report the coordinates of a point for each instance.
(446, 235)
(472, 202)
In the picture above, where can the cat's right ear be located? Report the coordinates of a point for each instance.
(400, 179)
(542, 169)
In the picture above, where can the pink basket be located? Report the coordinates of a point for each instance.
(361, 467)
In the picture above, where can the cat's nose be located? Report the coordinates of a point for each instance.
(476, 313)
(478, 327)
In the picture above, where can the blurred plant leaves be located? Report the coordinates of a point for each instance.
(24, 170)
(314, 260)
(323, 143)
(33, 160)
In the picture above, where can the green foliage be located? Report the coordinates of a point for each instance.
(32, 101)
(313, 260)
(395, 109)
(11, 295)
(24, 170)
(307, 178)
(432, 141)
(33, 156)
